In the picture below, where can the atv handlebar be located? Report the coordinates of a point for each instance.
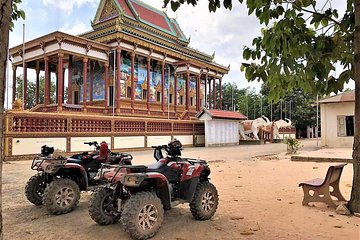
(94, 143)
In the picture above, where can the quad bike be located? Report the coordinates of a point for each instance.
(138, 195)
(59, 180)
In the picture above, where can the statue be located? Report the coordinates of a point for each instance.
(280, 124)
(253, 126)
(17, 105)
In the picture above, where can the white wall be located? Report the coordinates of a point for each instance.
(77, 143)
(23, 146)
(157, 140)
(221, 132)
(129, 142)
(329, 113)
(185, 139)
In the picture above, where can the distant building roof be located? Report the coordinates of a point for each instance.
(348, 96)
(220, 114)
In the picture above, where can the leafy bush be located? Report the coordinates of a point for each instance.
(292, 145)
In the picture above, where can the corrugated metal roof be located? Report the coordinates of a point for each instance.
(348, 96)
(222, 114)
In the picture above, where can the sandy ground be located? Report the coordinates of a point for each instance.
(259, 199)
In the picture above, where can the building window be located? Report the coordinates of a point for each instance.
(128, 93)
(76, 97)
(158, 96)
(345, 126)
(144, 95)
(181, 100)
(170, 98)
(191, 101)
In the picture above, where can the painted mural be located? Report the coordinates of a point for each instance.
(155, 79)
(140, 77)
(181, 89)
(125, 69)
(98, 81)
(169, 82)
(193, 90)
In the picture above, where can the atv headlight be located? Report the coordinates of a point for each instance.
(133, 180)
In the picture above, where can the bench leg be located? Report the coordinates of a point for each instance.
(336, 192)
(326, 198)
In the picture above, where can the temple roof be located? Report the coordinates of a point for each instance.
(140, 12)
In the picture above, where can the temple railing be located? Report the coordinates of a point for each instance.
(40, 128)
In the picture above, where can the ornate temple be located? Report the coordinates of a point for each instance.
(136, 61)
(133, 75)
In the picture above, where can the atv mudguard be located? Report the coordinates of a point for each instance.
(73, 169)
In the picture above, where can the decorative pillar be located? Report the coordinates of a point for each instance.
(91, 87)
(47, 82)
(175, 92)
(148, 59)
(198, 102)
(106, 100)
(14, 83)
(118, 75)
(187, 90)
(37, 83)
(60, 80)
(57, 84)
(214, 93)
(220, 94)
(85, 68)
(70, 82)
(210, 105)
(132, 81)
(205, 97)
(25, 86)
(163, 87)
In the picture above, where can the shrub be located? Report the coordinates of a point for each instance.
(292, 145)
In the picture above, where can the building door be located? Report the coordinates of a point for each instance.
(76, 97)
(111, 96)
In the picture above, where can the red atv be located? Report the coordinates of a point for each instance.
(140, 194)
(59, 180)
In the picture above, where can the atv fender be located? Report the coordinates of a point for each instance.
(150, 180)
(73, 169)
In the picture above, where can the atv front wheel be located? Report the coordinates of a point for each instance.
(101, 207)
(205, 201)
(142, 215)
(61, 196)
(34, 189)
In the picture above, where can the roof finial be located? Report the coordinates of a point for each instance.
(229, 66)
(189, 38)
(213, 55)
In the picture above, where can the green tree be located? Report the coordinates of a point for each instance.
(31, 91)
(301, 43)
(9, 12)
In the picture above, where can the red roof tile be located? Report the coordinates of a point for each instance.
(125, 8)
(152, 17)
(223, 114)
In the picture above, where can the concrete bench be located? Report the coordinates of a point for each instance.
(321, 187)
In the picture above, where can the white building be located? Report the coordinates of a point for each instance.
(221, 127)
(337, 120)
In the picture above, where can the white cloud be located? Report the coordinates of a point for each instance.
(68, 5)
(75, 29)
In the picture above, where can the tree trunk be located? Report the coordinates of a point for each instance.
(5, 18)
(354, 204)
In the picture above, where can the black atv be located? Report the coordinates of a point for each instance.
(59, 180)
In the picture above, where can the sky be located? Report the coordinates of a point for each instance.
(223, 32)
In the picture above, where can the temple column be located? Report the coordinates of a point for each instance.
(47, 82)
(91, 87)
(57, 84)
(132, 81)
(63, 85)
(210, 105)
(220, 94)
(163, 87)
(214, 93)
(14, 83)
(70, 75)
(85, 66)
(106, 100)
(187, 91)
(198, 102)
(205, 96)
(117, 84)
(37, 91)
(25, 86)
(148, 59)
(60, 80)
(175, 92)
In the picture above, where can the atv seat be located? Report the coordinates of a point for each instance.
(155, 167)
(137, 168)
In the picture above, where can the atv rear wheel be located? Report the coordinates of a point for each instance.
(61, 196)
(34, 189)
(205, 201)
(142, 215)
(101, 207)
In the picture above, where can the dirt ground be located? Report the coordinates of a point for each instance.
(259, 199)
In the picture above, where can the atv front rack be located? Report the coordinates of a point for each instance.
(134, 169)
